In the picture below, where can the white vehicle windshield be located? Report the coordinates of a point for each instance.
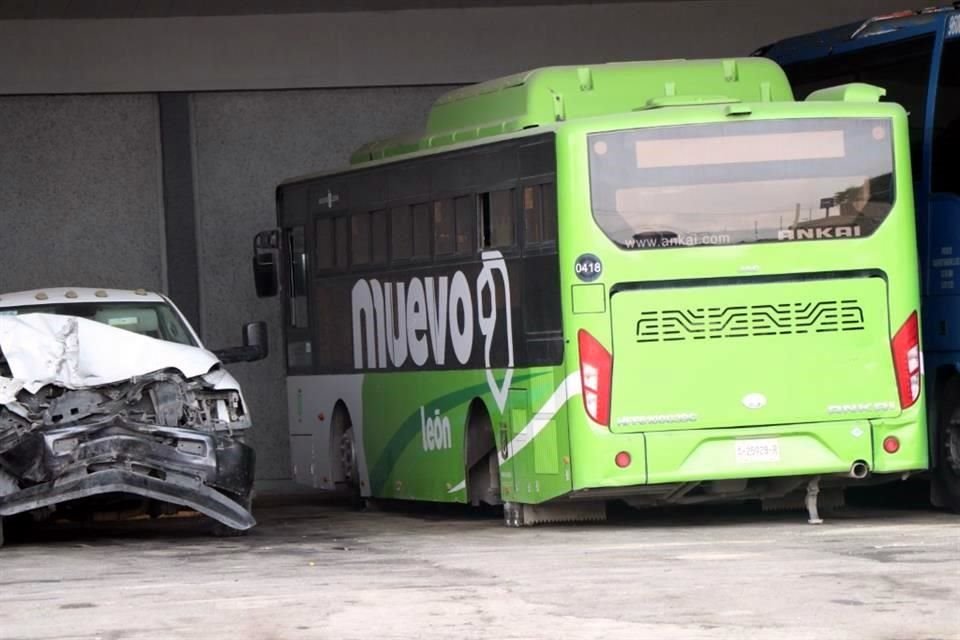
(153, 319)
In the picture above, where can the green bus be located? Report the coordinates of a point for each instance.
(659, 282)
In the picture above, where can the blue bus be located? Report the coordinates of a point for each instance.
(915, 56)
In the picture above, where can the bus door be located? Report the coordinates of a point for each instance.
(293, 274)
(296, 239)
(281, 265)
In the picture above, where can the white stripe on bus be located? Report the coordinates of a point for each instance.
(567, 389)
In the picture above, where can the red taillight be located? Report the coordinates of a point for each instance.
(622, 459)
(596, 365)
(891, 444)
(907, 361)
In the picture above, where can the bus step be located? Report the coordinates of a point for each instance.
(526, 515)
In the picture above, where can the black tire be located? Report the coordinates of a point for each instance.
(1, 531)
(482, 464)
(345, 447)
(946, 473)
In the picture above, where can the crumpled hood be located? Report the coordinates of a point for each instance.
(93, 410)
(75, 353)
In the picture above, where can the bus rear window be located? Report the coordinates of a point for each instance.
(742, 182)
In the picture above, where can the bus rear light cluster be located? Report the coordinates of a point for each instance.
(907, 362)
(596, 367)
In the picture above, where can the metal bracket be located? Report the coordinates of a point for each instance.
(813, 490)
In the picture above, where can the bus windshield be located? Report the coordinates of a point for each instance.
(155, 320)
(743, 182)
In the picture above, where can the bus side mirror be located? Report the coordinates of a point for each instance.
(255, 345)
(266, 258)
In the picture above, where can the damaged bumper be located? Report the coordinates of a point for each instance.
(209, 472)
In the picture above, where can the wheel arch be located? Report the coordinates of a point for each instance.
(340, 421)
(478, 434)
(481, 462)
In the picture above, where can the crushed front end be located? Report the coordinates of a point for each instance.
(152, 442)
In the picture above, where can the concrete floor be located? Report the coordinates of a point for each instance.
(313, 569)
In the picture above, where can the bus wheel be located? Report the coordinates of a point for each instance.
(947, 472)
(348, 458)
(482, 464)
(345, 450)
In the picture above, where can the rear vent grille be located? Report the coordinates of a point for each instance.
(747, 321)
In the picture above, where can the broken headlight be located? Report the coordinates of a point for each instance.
(221, 409)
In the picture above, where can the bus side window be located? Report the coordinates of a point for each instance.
(401, 233)
(466, 215)
(483, 209)
(548, 199)
(444, 242)
(378, 232)
(532, 215)
(297, 250)
(421, 231)
(496, 218)
(323, 249)
(539, 214)
(360, 239)
(341, 241)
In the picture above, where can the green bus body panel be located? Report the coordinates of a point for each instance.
(694, 357)
(553, 94)
(395, 408)
(402, 463)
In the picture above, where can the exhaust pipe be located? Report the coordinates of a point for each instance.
(859, 470)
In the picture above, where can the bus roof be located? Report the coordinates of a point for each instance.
(548, 95)
(820, 43)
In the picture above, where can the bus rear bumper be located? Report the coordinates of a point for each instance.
(800, 450)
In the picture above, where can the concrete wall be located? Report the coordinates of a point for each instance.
(80, 197)
(246, 143)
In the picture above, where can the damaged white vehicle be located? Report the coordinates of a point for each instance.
(110, 402)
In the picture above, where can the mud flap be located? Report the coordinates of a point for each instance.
(525, 515)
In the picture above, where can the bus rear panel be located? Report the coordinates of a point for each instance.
(759, 316)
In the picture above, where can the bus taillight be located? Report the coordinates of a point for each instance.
(596, 365)
(891, 444)
(907, 362)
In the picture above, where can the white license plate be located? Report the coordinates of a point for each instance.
(758, 450)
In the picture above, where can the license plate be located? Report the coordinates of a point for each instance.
(758, 450)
